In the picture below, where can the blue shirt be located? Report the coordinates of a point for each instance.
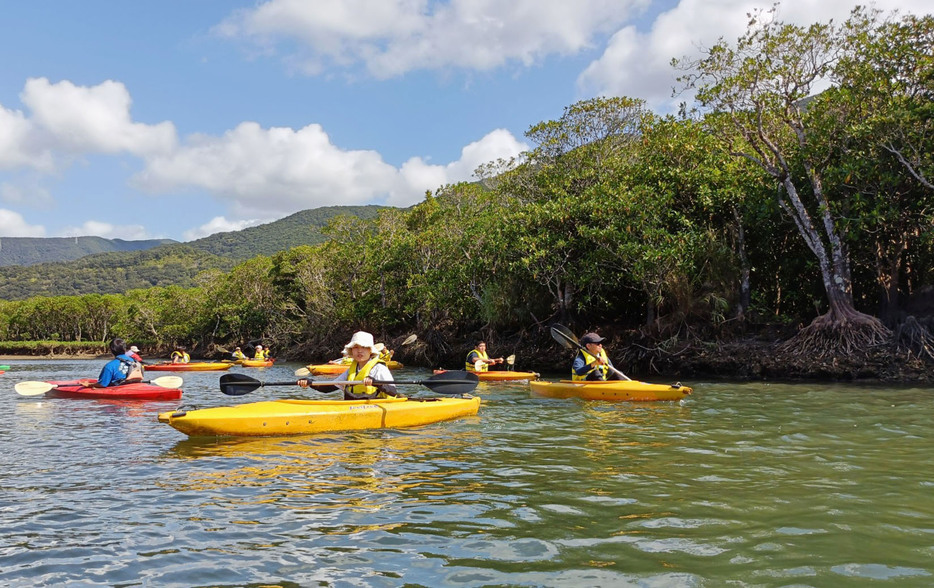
(115, 371)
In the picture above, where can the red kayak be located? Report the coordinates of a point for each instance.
(139, 391)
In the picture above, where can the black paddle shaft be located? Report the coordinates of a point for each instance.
(456, 382)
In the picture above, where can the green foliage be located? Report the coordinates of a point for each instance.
(302, 228)
(33, 250)
(671, 225)
(109, 273)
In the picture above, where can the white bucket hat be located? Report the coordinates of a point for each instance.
(361, 339)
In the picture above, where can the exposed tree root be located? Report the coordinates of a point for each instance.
(914, 338)
(830, 335)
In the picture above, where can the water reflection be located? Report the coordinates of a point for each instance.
(743, 484)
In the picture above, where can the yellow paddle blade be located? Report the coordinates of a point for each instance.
(168, 381)
(32, 388)
(410, 339)
(301, 372)
(511, 360)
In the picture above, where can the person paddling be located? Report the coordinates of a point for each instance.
(238, 354)
(122, 369)
(593, 364)
(478, 360)
(180, 355)
(367, 367)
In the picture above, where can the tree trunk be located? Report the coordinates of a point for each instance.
(842, 329)
(888, 268)
(745, 294)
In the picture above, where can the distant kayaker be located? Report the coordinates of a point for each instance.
(366, 367)
(385, 353)
(261, 353)
(478, 360)
(180, 355)
(593, 364)
(238, 354)
(122, 369)
(134, 353)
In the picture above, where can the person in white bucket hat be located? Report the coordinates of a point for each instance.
(366, 367)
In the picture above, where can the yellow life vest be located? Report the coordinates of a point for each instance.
(589, 359)
(354, 374)
(261, 354)
(471, 367)
(239, 355)
(182, 356)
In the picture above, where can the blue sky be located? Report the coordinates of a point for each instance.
(178, 119)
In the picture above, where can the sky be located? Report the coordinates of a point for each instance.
(178, 119)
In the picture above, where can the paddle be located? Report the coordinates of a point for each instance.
(36, 388)
(303, 371)
(569, 340)
(456, 382)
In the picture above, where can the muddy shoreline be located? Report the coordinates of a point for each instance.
(736, 360)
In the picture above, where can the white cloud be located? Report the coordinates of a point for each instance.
(638, 64)
(17, 145)
(218, 224)
(12, 224)
(107, 231)
(94, 119)
(416, 176)
(67, 121)
(266, 173)
(391, 37)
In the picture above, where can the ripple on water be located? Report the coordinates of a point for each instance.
(742, 484)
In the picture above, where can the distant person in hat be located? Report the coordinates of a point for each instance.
(592, 364)
(261, 353)
(133, 352)
(238, 354)
(367, 367)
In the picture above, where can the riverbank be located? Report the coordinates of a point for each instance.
(749, 359)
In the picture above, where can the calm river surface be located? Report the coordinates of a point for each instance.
(743, 484)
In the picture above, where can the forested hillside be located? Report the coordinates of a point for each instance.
(110, 273)
(33, 250)
(301, 228)
(142, 264)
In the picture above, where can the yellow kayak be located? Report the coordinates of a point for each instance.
(256, 362)
(612, 390)
(193, 366)
(500, 375)
(297, 417)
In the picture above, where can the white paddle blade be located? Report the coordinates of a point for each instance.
(478, 365)
(301, 372)
(511, 360)
(169, 381)
(410, 339)
(32, 388)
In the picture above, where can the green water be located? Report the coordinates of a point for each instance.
(742, 484)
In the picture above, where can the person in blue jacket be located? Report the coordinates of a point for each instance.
(122, 369)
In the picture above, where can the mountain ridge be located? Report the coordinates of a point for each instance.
(166, 263)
